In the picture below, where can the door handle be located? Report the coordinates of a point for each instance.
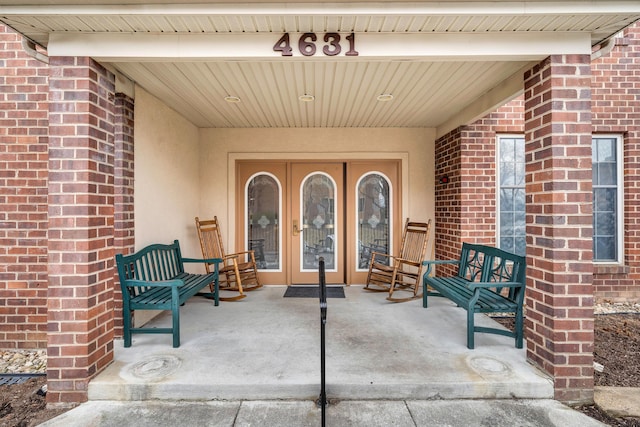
(296, 230)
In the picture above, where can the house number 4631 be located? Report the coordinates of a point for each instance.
(307, 45)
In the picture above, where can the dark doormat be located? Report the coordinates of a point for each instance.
(313, 292)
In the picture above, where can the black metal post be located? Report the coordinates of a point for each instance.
(323, 320)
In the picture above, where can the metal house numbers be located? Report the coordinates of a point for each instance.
(307, 45)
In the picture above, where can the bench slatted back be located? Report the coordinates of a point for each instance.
(501, 266)
(153, 263)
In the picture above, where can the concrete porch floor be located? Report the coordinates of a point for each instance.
(267, 347)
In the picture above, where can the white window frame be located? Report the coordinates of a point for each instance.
(498, 180)
(619, 199)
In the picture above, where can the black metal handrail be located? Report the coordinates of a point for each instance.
(322, 401)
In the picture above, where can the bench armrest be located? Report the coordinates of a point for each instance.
(159, 284)
(475, 285)
(431, 263)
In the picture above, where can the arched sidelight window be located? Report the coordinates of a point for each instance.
(373, 198)
(263, 210)
(318, 221)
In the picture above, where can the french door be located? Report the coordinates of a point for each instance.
(292, 213)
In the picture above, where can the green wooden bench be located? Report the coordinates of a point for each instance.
(489, 280)
(154, 279)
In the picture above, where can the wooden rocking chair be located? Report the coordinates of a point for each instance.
(388, 273)
(238, 271)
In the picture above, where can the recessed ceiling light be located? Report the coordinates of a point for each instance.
(306, 98)
(383, 97)
(232, 99)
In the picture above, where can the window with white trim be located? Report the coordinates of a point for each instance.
(607, 199)
(511, 201)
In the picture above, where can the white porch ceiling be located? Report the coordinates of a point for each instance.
(428, 92)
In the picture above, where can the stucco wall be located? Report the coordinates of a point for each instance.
(182, 171)
(220, 148)
(166, 175)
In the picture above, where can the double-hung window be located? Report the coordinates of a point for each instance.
(607, 196)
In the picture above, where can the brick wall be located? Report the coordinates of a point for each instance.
(446, 234)
(466, 205)
(24, 126)
(124, 232)
(616, 110)
(81, 226)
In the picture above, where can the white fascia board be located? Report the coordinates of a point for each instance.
(507, 90)
(206, 47)
(432, 8)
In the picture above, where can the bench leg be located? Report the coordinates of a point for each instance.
(175, 317)
(127, 324)
(424, 294)
(470, 329)
(519, 328)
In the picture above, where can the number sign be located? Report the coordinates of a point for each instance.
(307, 45)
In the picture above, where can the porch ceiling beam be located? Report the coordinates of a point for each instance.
(207, 47)
(288, 8)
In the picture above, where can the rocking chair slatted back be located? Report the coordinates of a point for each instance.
(388, 273)
(238, 272)
(210, 238)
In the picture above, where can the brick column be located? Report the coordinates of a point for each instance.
(123, 241)
(24, 89)
(448, 198)
(559, 317)
(80, 305)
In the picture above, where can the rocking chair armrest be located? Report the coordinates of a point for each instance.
(241, 253)
(407, 261)
(206, 260)
(374, 254)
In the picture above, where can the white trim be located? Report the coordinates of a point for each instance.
(138, 47)
(433, 8)
(620, 198)
(500, 137)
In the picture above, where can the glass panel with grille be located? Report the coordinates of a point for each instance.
(263, 213)
(512, 224)
(373, 217)
(318, 221)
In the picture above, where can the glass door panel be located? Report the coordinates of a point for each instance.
(318, 222)
(373, 213)
(264, 206)
(260, 215)
(373, 231)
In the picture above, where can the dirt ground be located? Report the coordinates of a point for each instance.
(617, 348)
